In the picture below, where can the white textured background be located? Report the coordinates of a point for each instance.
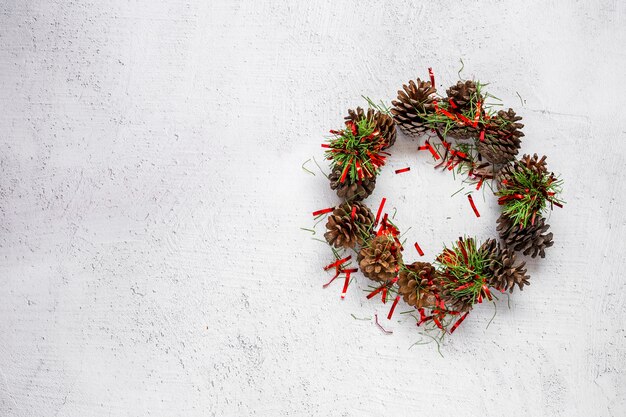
(151, 195)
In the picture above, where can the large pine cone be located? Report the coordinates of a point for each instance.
(502, 138)
(381, 259)
(412, 104)
(531, 240)
(501, 268)
(534, 164)
(416, 284)
(346, 231)
(463, 93)
(382, 122)
(351, 191)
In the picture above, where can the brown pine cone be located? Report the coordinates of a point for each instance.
(351, 191)
(416, 284)
(531, 240)
(534, 164)
(502, 138)
(463, 93)
(501, 269)
(412, 104)
(454, 302)
(347, 231)
(380, 260)
(382, 122)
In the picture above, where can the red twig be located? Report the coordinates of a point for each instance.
(471, 200)
(323, 211)
(393, 307)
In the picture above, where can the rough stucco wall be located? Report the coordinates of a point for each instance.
(151, 196)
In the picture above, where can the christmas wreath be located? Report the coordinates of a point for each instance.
(465, 135)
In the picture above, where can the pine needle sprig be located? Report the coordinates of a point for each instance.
(463, 271)
(357, 150)
(529, 194)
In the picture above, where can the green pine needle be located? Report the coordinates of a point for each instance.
(529, 194)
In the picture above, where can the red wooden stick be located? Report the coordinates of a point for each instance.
(471, 200)
(419, 250)
(323, 211)
(393, 307)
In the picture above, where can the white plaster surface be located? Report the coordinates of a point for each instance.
(151, 199)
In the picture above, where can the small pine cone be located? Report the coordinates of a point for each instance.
(382, 122)
(416, 284)
(502, 138)
(455, 303)
(413, 102)
(347, 231)
(503, 273)
(381, 259)
(351, 191)
(534, 164)
(462, 94)
(531, 240)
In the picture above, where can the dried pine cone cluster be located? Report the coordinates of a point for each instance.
(527, 179)
(496, 137)
(463, 274)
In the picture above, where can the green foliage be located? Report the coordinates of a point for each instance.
(529, 193)
(358, 149)
(462, 269)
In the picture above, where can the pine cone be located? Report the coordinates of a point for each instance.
(536, 165)
(381, 259)
(463, 93)
(346, 231)
(502, 138)
(413, 102)
(454, 302)
(351, 191)
(531, 240)
(501, 268)
(382, 122)
(416, 284)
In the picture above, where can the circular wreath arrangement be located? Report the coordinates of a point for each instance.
(470, 138)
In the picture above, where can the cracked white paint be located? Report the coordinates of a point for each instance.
(151, 195)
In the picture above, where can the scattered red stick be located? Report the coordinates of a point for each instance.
(471, 200)
(422, 148)
(380, 210)
(382, 287)
(432, 151)
(381, 327)
(432, 77)
(458, 322)
(419, 250)
(353, 212)
(438, 323)
(480, 183)
(393, 307)
(400, 171)
(482, 135)
(384, 296)
(323, 211)
(325, 145)
(337, 263)
(345, 285)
